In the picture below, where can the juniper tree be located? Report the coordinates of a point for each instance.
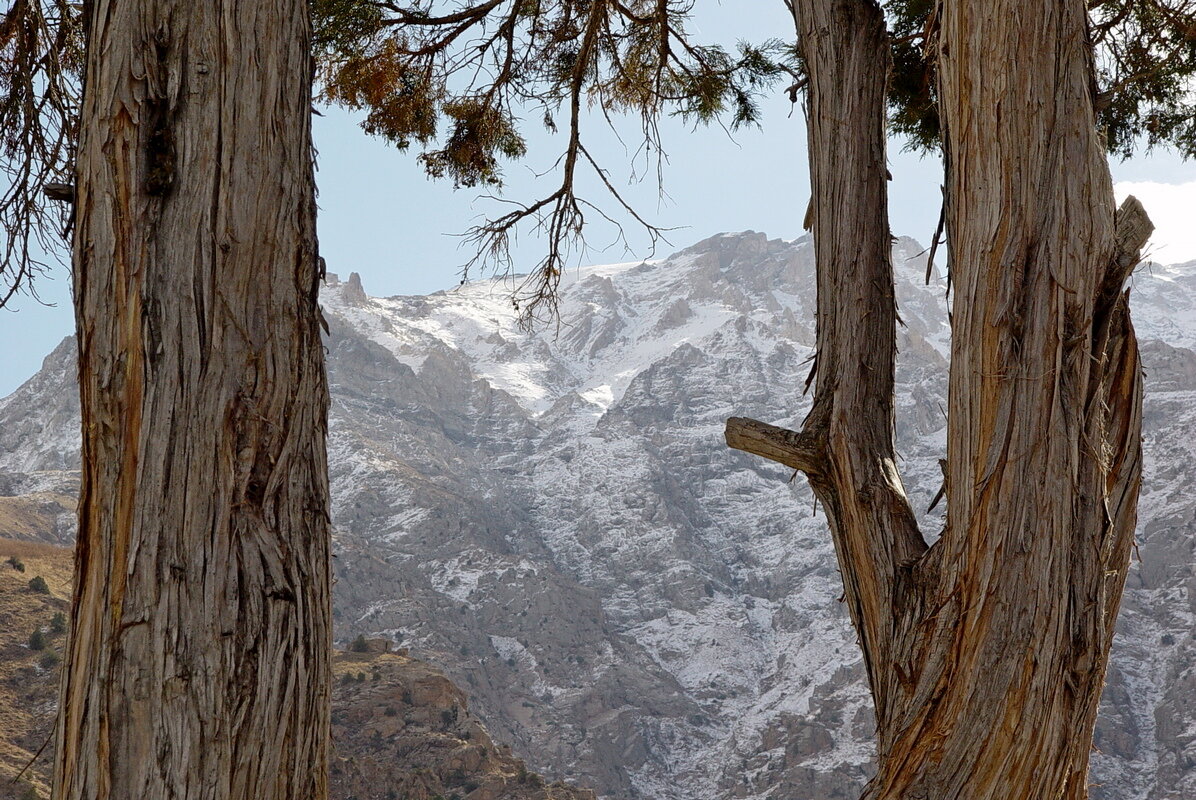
(985, 646)
(199, 648)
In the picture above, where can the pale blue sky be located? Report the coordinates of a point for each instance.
(380, 217)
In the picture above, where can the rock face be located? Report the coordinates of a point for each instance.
(554, 520)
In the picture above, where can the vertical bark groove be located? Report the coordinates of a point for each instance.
(198, 664)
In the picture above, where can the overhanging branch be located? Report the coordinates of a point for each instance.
(795, 450)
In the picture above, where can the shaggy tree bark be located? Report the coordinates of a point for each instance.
(986, 652)
(199, 660)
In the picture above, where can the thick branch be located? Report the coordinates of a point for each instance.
(795, 450)
(846, 443)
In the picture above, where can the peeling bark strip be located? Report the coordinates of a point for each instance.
(199, 655)
(986, 653)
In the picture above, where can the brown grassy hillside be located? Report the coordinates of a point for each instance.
(38, 516)
(29, 676)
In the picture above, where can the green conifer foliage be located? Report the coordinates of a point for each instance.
(1145, 57)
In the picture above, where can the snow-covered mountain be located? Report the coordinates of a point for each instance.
(554, 519)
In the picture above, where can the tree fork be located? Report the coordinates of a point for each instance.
(985, 653)
(804, 451)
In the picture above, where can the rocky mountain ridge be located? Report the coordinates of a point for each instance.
(553, 519)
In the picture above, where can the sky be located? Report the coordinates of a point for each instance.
(381, 217)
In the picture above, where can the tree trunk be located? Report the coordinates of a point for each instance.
(986, 652)
(199, 659)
